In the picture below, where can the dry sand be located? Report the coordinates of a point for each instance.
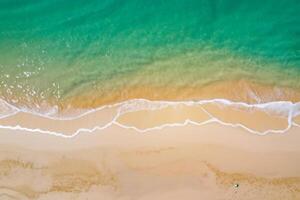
(184, 162)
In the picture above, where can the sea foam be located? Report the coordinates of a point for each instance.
(284, 109)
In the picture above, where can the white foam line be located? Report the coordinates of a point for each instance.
(235, 125)
(37, 130)
(186, 122)
(15, 110)
(8, 115)
(114, 122)
(187, 102)
(211, 120)
(62, 118)
(295, 124)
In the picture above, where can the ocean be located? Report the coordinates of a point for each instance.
(86, 54)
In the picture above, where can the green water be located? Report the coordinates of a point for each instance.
(54, 49)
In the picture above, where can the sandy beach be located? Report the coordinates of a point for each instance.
(149, 100)
(187, 161)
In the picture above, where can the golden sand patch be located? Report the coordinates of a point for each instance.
(77, 176)
(144, 119)
(248, 186)
(65, 175)
(253, 118)
(198, 162)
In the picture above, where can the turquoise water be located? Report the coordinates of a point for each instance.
(53, 49)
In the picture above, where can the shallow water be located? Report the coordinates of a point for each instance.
(52, 51)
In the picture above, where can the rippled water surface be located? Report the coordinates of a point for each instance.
(51, 50)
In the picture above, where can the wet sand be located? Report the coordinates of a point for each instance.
(240, 90)
(180, 162)
(143, 115)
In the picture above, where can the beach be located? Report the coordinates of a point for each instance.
(210, 160)
(149, 100)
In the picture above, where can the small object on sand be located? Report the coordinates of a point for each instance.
(236, 185)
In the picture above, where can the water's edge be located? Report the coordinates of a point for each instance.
(283, 109)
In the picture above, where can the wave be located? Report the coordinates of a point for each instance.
(283, 109)
(7, 110)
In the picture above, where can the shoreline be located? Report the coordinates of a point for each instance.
(275, 117)
(142, 150)
(117, 164)
(243, 91)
